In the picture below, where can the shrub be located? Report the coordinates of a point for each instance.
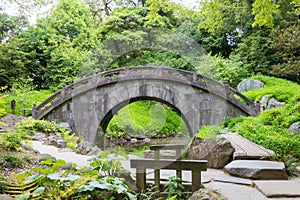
(209, 131)
(280, 89)
(10, 160)
(11, 140)
(32, 126)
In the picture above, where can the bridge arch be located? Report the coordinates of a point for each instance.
(107, 118)
(91, 102)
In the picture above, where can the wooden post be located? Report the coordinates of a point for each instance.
(157, 171)
(34, 111)
(13, 106)
(178, 157)
(196, 180)
(141, 178)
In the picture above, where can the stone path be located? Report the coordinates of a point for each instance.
(230, 187)
(245, 149)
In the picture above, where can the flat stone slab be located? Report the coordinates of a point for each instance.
(245, 149)
(273, 189)
(257, 169)
(231, 179)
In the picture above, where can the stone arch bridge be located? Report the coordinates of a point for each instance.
(89, 104)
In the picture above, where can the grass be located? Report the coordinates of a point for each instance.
(146, 117)
(24, 100)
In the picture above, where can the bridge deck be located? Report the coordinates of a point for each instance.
(245, 149)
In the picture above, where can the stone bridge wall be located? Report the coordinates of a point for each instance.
(95, 108)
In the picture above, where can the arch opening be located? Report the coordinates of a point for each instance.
(143, 117)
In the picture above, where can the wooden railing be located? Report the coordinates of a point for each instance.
(147, 72)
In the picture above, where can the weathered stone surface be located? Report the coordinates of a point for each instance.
(263, 102)
(94, 151)
(206, 194)
(217, 152)
(5, 197)
(84, 148)
(46, 156)
(163, 154)
(27, 147)
(273, 103)
(87, 148)
(251, 84)
(207, 107)
(52, 140)
(225, 178)
(39, 136)
(257, 169)
(295, 127)
(273, 189)
(61, 143)
(10, 121)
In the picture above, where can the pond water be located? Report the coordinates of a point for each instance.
(138, 146)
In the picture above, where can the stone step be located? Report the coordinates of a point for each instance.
(245, 149)
(275, 189)
(257, 169)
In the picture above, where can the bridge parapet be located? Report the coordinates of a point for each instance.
(145, 72)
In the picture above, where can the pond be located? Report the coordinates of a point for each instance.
(137, 145)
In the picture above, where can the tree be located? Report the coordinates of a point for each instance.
(58, 44)
(286, 48)
(12, 58)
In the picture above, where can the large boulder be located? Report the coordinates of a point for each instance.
(206, 194)
(218, 153)
(87, 148)
(251, 84)
(273, 103)
(294, 127)
(257, 169)
(10, 122)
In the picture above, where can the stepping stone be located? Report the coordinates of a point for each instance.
(273, 189)
(257, 169)
(231, 179)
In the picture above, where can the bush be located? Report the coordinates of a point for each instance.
(209, 131)
(11, 140)
(280, 89)
(10, 160)
(31, 126)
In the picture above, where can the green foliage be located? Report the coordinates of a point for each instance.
(286, 47)
(10, 160)
(32, 126)
(51, 181)
(225, 70)
(280, 89)
(24, 99)
(253, 52)
(209, 131)
(106, 167)
(272, 137)
(263, 11)
(2, 101)
(270, 128)
(174, 188)
(11, 140)
(146, 117)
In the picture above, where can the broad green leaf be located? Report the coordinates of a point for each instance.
(38, 191)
